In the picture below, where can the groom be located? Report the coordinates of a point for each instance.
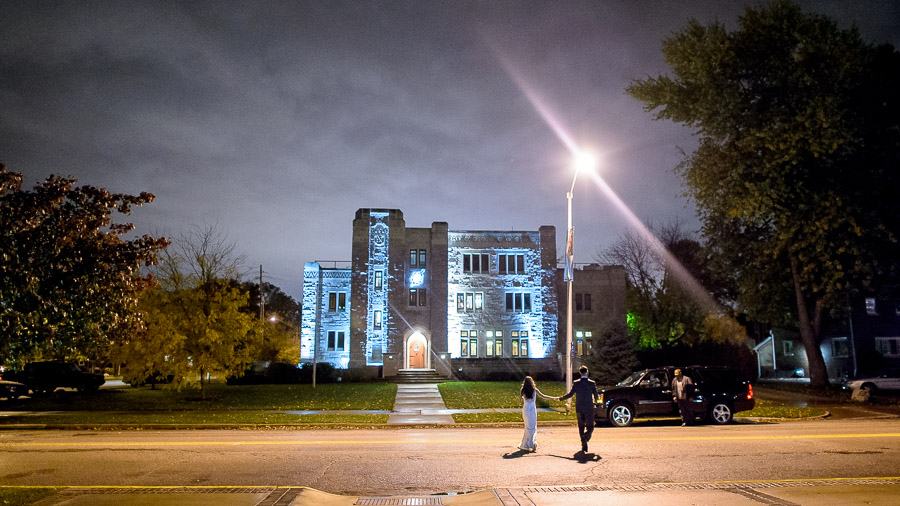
(585, 392)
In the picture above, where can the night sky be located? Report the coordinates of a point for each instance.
(276, 121)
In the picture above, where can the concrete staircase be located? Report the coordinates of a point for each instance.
(417, 376)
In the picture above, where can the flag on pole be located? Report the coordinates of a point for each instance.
(570, 255)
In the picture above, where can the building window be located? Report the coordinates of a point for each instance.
(788, 348)
(417, 257)
(473, 343)
(337, 301)
(519, 343)
(870, 306)
(498, 344)
(582, 302)
(518, 302)
(379, 279)
(376, 319)
(579, 347)
(464, 343)
(416, 296)
(336, 340)
(469, 301)
(511, 264)
(489, 349)
(839, 347)
(888, 346)
(476, 263)
(514, 347)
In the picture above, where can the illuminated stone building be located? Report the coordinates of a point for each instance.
(469, 304)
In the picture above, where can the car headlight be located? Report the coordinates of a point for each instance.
(600, 400)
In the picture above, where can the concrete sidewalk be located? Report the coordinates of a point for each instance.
(835, 492)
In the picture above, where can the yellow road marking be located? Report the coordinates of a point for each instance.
(439, 441)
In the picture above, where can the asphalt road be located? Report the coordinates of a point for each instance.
(434, 461)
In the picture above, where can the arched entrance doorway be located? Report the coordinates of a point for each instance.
(417, 351)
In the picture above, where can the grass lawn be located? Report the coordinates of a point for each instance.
(496, 394)
(769, 409)
(235, 404)
(16, 496)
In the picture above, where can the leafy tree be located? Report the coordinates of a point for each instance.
(796, 172)
(69, 283)
(280, 338)
(196, 325)
(662, 311)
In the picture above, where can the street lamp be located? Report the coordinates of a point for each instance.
(583, 161)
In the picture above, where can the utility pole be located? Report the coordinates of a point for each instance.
(262, 297)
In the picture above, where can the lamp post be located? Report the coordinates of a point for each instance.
(583, 161)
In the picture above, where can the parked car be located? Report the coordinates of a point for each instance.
(12, 389)
(718, 393)
(886, 380)
(45, 377)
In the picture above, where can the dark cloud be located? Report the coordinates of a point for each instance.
(278, 120)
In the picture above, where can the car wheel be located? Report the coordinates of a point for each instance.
(721, 413)
(621, 415)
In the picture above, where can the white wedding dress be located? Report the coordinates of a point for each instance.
(529, 416)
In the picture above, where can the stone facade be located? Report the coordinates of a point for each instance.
(472, 304)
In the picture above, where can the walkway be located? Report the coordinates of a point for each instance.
(419, 403)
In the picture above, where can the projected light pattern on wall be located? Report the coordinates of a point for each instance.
(377, 314)
(494, 289)
(325, 331)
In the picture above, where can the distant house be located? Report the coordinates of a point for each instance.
(867, 340)
(464, 303)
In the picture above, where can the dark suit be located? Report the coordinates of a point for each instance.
(585, 392)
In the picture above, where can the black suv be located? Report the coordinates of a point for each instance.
(717, 394)
(43, 377)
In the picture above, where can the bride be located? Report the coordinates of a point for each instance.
(529, 393)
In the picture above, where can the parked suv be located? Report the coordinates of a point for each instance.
(717, 394)
(42, 377)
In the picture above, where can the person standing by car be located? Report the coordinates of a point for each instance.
(680, 386)
(529, 393)
(585, 392)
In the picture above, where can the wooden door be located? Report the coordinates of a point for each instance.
(416, 354)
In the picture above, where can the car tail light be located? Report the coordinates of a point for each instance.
(749, 391)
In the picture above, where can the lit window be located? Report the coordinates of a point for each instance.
(376, 319)
(379, 279)
(579, 333)
(498, 347)
(469, 301)
(523, 347)
(514, 347)
(489, 350)
(579, 347)
(473, 346)
(870, 306)
(464, 343)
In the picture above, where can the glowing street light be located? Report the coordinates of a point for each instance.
(583, 162)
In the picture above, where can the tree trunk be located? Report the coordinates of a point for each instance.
(809, 330)
(202, 385)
